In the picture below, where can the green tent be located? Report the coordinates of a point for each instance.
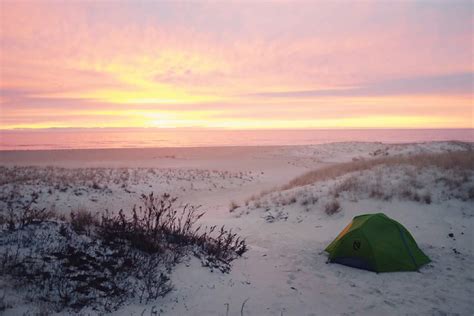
(377, 243)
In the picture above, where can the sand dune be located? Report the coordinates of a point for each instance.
(285, 271)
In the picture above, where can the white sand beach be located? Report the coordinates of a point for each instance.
(284, 272)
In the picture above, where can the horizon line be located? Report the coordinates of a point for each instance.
(227, 128)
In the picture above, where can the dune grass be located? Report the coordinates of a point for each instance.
(456, 160)
(461, 160)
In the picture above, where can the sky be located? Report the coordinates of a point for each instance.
(236, 64)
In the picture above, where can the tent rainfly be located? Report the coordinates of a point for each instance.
(377, 243)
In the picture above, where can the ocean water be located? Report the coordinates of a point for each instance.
(155, 137)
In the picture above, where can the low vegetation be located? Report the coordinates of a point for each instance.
(459, 160)
(332, 207)
(406, 182)
(79, 186)
(422, 178)
(84, 221)
(99, 263)
(233, 206)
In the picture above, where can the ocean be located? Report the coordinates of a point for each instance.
(156, 137)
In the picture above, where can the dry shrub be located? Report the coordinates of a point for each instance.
(349, 184)
(332, 207)
(25, 215)
(153, 225)
(309, 199)
(377, 193)
(160, 224)
(427, 198)
(4, 304)
(471, 193)
(124, 257)
(256, 197)
(83, 220)
(233, 206)
(70, 273)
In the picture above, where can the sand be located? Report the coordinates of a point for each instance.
(285, 271)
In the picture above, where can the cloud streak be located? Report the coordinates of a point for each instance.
(453, 84)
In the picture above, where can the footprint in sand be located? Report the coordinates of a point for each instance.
(390, 303)
(291, 278)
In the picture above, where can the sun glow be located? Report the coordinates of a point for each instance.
(158, 95)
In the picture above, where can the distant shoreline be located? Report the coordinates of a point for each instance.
(33, 150)
(145, 129)
(170, 138)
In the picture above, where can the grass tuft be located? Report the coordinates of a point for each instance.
(332, 207)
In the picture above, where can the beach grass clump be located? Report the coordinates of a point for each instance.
(332, 207)
(233, 206)
(26, 215)
(308, 199)
(83, 220)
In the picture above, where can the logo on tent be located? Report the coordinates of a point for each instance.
(356, 245)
